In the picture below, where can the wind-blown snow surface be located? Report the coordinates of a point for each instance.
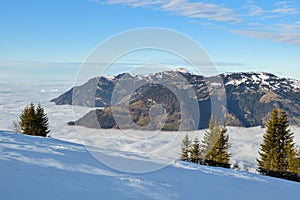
(46, 168)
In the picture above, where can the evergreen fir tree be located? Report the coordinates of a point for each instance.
(209, 139)
(185, 148)
(41, 122)
(195, 151)
(277, 153)
(34, 121)
(297, 162)
(27, 120)
(215, 145)
(269, 148)
(294, 163)
(222, 146)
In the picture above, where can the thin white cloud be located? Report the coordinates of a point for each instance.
(261, 21)
(134, 3)
(273, 22)
(255, 10)
(254, 24)
(289, 28)
(285, 10)
(283, 2)
(281, 7)
(289, 38)
(185, 8)
(200, 10)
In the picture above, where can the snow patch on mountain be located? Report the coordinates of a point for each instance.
(261, 79)
(181, 70)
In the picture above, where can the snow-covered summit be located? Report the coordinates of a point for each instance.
(262, 80)
(250, 79)
(182, 70)
(145, 76)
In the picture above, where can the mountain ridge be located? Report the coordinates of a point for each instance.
(249, 96)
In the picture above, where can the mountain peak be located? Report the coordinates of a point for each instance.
(182, 70)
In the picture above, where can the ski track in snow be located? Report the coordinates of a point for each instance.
(46, 157)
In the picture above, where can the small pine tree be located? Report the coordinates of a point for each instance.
(297, 162)
(195, 151)
(277, 152)
(294, 162)
(210, 138)
(42, 123)
(34, 121)
(185, 148)
(27, 120)
(215, 145)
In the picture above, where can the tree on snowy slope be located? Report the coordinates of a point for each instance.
(297, 162)
(185, 148)
(215, 145)
(34, 121)
(195, 151)
(278, 153)
(42, 121)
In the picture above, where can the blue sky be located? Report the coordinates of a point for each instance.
(48, 39)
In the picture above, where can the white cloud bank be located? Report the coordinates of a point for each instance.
(15, 96)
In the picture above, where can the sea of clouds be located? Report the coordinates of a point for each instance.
(163, 147)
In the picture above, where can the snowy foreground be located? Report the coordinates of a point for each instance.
(46, 168)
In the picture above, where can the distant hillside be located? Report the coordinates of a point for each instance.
(249, 97)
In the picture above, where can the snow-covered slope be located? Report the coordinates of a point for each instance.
(261, 80)
(47, 168)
